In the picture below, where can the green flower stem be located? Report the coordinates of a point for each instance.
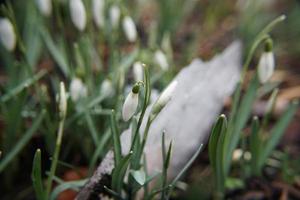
(55, 156)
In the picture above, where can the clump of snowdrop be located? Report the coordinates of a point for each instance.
(161, 59)
(7, 34)
(98, 12)
(78, 15)
(114, 14)
(107, 88)
(129, 29)
(163, 99)
(77, 89)
(131, 103)
(138, 72)
(62, 100)
(45, 7)
(266, 63)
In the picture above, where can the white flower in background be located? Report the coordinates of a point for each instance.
(266, 63)
(62, 100)
(161, 60)
(45, 7)
(78, 14)
(129, 29)
(7, 34)
(98, 12)
(114, 14)
(131, 103)
(107, 88)
(164, 98)
(77, 89)
(138, 71)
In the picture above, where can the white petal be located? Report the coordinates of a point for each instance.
(107, 88)
(266, 66)
(77, 89)
(98, 12)
(138, 71)
(114, 14)
(44, 6)
(167, 93)
(62, 100)
(78, 14)
(161, 60)
(130, 106)
(7, 34)
(129, 29)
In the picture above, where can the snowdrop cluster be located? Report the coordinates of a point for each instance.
(78, 14)
(266, 63)
(77, 89)
(129, 29)
(45, 7)
(7, 34)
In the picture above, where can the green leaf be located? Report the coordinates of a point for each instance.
(74, 185)
(277, 132)
(139, 176)
(92, 128)
(116, 138)
(36, 176)
(119, 173)
(22, 142)
(255, 143)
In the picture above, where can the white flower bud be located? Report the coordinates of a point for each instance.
(129, 29)
(138, 71)
(62, 100)
(114, 14)
(7, 34)
(107, 88)
(161, 60)
(131, 103)
(77, 89)
(44, 6)
(266, 66)
(98, 12)
(78, 14)
(164, 98)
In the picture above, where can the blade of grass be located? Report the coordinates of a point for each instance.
(92, 128)
(36, 176)
(116, 138)
(22, 142)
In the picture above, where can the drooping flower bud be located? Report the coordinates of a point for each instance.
(131, 103)
(138, 71)
(161, 59)
(7, 34)
(98, 12)
(45, 7)
(114, 14)
(107, 88)
(129, 29)
(163, 99)
(62, 100)
(77, 89)
(78, 14)
(266, 63)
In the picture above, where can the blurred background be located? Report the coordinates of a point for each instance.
(50, 49)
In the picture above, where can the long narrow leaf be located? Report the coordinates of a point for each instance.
(36, 176)
(116, 138)
(74, 185)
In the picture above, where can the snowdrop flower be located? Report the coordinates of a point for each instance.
(131, 103)
(7, 34)
(161, 60)
(129, 29)
(77, 89)
(45, 7)
(266, 63)
(114, 14)
(107, 88)
(138, 72)
(98, 12)
(163, 99)
(62, 100)
(78, 14)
